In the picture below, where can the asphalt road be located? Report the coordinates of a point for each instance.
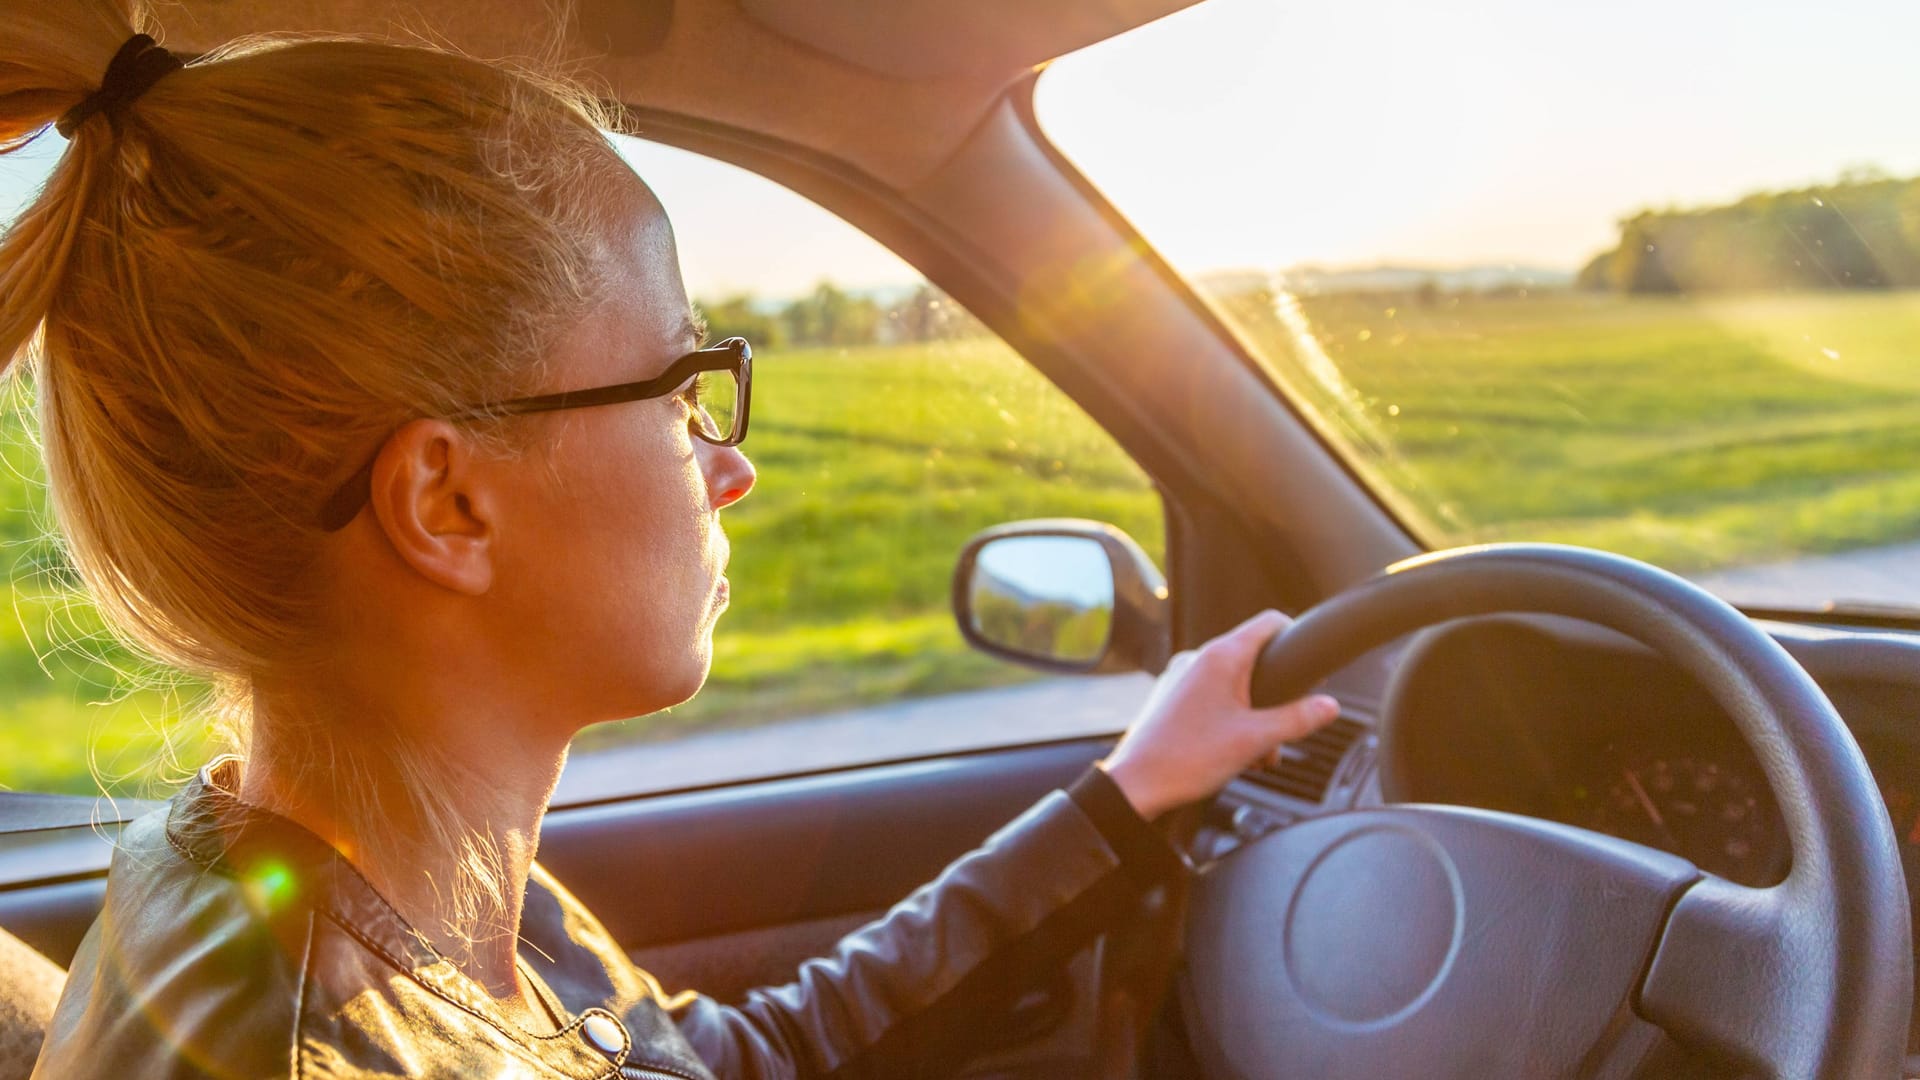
(1031, 712)
(1881, 576)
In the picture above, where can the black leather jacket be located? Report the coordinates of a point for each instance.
(235, 944)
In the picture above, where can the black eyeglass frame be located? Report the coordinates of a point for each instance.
(732, 355)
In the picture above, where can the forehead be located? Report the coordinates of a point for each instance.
(640, 324)
(637, 240)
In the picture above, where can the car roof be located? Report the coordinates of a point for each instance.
(890, 87)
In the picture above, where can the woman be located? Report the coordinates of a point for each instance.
(299, 313)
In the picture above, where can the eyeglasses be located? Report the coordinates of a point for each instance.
(717, 382)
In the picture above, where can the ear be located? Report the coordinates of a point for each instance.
(432, 499)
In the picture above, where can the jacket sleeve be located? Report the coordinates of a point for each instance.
(913, 994)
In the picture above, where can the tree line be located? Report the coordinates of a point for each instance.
(830, 315)
(1861, 232)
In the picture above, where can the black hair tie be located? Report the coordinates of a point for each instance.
(139, 64)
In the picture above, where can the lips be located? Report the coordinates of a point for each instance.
(721, 589)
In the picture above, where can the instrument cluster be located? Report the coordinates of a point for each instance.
(1711, 809)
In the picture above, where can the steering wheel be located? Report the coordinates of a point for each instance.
(1437, 940)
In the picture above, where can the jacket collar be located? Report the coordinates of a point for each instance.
(284, 868)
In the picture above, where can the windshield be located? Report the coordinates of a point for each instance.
(1643, 277)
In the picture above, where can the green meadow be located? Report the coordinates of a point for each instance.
(1690, 432)
(1695, 433)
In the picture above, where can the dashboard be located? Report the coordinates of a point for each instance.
(1565, 721)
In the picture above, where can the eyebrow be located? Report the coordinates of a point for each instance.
(693, 327)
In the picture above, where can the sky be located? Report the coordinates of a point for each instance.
(1264, 133)
(1070, 568)
(1269, 133)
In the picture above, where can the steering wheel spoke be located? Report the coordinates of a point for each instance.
(1744, 974)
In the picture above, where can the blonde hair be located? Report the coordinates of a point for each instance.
(232, 289)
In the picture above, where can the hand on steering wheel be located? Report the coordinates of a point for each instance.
(1199, 727)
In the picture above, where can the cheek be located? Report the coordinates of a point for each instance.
(613, 592)
(631, 499)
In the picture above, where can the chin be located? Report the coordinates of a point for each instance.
(647, 677)
(666, 689)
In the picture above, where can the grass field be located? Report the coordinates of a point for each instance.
(1691, 433)
(1695, 434)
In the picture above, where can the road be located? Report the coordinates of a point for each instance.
(1882, 576)
(1030, 712)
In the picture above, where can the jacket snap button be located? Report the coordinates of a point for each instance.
(605, 1033)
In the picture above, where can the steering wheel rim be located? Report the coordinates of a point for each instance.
(1810, 977)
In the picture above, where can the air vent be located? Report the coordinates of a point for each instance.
(1307, 767)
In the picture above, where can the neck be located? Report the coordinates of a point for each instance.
(441, 813)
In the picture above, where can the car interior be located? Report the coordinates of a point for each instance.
(1450, 879)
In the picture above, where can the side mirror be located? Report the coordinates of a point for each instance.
(1065, 595)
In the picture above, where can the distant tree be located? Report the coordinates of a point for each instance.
(1640, 266)
(1858, 233)
(1597, 274)
(927, 314)
(1907, 210)
(741, 315)
(831, 316)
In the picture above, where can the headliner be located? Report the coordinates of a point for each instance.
(889, 86)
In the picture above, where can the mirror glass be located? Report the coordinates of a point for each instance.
(1049, 597)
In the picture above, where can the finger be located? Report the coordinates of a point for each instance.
(1302, 717)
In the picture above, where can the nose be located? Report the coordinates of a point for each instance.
(729, 476)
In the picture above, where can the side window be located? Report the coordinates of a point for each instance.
(888, 426)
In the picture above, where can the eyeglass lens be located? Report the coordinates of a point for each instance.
(716, 395)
